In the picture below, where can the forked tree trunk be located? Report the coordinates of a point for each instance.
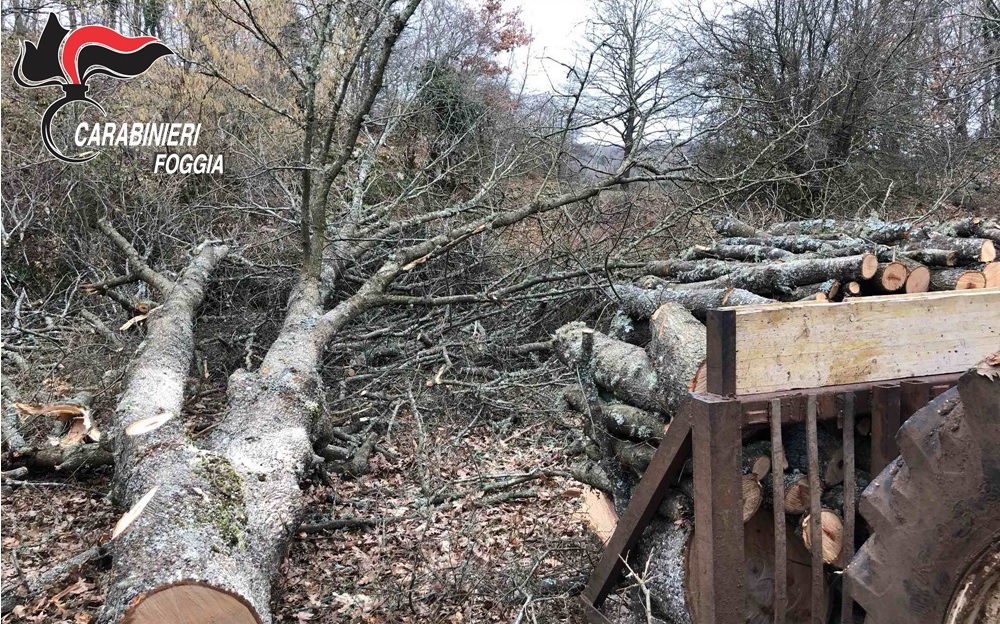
(222, 515)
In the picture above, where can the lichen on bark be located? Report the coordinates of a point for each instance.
(225, 507)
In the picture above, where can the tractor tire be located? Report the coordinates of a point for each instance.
(934, 552)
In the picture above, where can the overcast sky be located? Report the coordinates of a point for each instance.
(557, 27)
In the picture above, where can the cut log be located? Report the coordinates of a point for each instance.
(797, 492)
(932, 257)
(823, 291)
(873, 229)
(970, 249)
(831, 455)
(743, 253)
(918, 276)
(752, 495)
(970, 227)
(640, 303)
(625, 328)
(633, 455)
(832, 530)
(673, 583)
(631, 423)
(731, 226)
(685, 271)
(784, 277)
(991, 271)
(889, 278)
(957, 279)
(794, 244)
(622, 369)
(677, 348)
(833, 498)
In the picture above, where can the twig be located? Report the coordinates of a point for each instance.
(47, 579)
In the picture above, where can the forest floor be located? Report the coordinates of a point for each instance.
(501, 539)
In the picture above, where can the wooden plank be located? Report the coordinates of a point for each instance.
(850, 478)
(867, 339)
(718, 515)
(720, 361)
(780, 552)
(885, 424)
(663, 471)
(817, 584)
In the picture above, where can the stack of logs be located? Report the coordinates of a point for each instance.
(633, 378)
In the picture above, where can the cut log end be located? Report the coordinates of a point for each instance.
(147, 425)
(988, 253)
(869, 266)
(919, 280)
(796, 494)
(752, 496)
(190, 602)
(832, 532)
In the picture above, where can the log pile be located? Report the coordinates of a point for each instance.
(633, 377)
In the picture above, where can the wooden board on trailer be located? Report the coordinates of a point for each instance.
(803, 345)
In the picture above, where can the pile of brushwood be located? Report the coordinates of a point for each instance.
(635, 375)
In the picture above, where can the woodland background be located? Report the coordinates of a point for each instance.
(454, 220)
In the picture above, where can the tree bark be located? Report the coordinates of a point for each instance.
(969, 249)
(741, 252)
(957, 279)
(622, 369)
(641, 303)
(783, 277)
(179, 525)
(677, 348)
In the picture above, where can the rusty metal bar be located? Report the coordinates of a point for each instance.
(780, 554)
(913, 395)
(755, 406)
(850, 486)
(816, 585)
(939, 389)
(663, 471)
(885, 424)
(718, 492)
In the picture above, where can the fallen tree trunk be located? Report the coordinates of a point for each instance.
(161, 468)
(731, 226)
(640, 303)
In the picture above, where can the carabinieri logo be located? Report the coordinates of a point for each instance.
(69, 59)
